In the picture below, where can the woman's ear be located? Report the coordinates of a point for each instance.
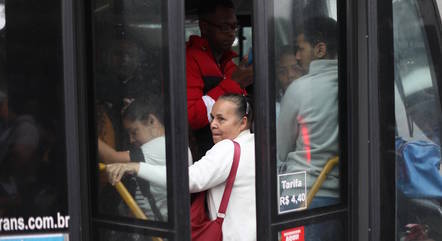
(244, 123)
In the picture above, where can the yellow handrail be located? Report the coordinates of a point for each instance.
(321, 178)
(128, 199)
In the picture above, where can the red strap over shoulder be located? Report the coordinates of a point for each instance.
(229, 182)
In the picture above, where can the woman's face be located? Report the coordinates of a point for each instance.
(141, 132)
(226, 124)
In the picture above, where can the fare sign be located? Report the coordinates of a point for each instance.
(292, 191)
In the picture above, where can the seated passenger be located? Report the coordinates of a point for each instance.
(231, 119)
(143, 119)
(307, 130)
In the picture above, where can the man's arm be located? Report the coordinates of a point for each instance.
(109, 155)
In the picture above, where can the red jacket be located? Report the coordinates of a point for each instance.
(205, 77)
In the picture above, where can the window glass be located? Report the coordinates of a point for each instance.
(2, 15)
(33, 188)
(247, 40)
(191, 28)
(129, 105)
(306, 81)
(418, 122)
(439, 5)
(330, 230)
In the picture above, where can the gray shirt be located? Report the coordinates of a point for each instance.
(307, 131)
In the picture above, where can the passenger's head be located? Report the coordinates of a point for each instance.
(231, 114)
(317, 40)
(218, 23)
(288, 68)
(125, 56)
(143, 120)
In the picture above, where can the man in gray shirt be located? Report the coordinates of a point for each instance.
(307, 131)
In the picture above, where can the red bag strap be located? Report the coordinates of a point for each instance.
(229, 182)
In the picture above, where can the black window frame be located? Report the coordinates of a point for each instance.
(269, 223)
(366, 62)
(81, 138)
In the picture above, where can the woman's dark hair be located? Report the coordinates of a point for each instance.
(141, 108)
(243, 103)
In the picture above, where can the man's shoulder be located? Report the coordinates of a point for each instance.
(298, 85)
(197, 53)
(196, 44)
(320, 71)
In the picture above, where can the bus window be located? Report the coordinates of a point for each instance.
(418, 123)
(33, 178)
(129, 108)
(306, 80)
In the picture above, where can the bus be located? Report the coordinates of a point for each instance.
(69, 68)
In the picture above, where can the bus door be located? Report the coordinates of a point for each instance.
(135, 85)
(301, 118)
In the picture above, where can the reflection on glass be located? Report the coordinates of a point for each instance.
(439, 5)
(2, 14)
(418, 118)
(32, 136)
(127, 235)
(330, 230)
(247, 40)
(129, 107)
(306, 80)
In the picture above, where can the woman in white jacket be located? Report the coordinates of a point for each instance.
(230, 120)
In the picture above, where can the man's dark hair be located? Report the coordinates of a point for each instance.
(322, 29)
(208, 7)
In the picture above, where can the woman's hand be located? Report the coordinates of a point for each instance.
(116, 171)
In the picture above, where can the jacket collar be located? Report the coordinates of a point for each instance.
(242, 134)
(202, 43)
(320, 65)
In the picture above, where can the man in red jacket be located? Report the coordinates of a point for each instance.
(210, 70)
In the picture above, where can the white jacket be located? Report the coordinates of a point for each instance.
(210, 173)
